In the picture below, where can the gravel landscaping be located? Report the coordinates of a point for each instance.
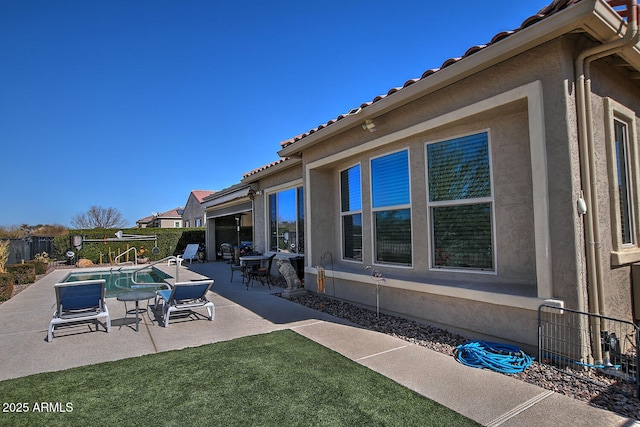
(596, 389)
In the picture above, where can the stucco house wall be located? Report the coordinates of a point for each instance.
(522, 93)
(527, 106)
(193, 214)
(613, 89)
(410, 290)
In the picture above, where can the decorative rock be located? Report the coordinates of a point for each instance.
(589, 386)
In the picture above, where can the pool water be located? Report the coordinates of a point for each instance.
(123, 281)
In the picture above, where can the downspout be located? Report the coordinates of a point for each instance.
(595, 281)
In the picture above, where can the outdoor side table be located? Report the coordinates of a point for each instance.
(136, 297)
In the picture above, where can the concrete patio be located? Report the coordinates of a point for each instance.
(487, 397)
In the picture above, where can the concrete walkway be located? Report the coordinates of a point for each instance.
(489, 398)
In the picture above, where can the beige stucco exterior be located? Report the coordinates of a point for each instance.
(521, 91)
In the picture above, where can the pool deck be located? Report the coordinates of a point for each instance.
(489, 398)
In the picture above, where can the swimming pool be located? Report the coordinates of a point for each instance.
(119, 281)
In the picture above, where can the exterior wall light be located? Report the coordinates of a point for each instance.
(369, 125)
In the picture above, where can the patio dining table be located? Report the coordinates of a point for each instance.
(251, 261)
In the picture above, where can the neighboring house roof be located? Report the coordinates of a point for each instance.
(553, 8)
(146, 219)
(201, 194)
(173, 213)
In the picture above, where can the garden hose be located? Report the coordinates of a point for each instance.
(503, 358)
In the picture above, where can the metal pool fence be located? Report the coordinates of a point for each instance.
(580, 341)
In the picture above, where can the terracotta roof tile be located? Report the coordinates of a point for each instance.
(261, 168)
(554, 7)
(173, 213)
(201, 194)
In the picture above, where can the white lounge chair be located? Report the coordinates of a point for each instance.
(190, 253)
(81, 301)
(185, 296)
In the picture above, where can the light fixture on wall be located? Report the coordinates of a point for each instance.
(369, 125)
(582, 206)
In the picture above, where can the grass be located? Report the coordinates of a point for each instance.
(280, 378)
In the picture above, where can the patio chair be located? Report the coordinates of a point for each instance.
(185, 296)
(78, 302)
(226, 251)
(177, 260)
(190, 253)
(262, 273)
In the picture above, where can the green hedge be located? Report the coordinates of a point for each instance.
(6, 286)
(39, 266)
(170, 241)
(22, 273)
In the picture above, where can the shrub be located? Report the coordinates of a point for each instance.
(4, 254)
(170, 241)
(22, 273)
(38, 265)
(6, 286)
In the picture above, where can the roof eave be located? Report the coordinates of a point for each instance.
(271, 170)
(594, 17)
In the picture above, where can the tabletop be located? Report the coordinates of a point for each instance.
(136, 296)
(253, 258)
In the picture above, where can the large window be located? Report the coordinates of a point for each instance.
(351, 212)
(461, 203)
(391, 207)
(286, 221)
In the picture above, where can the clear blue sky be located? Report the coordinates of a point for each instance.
(132, 104)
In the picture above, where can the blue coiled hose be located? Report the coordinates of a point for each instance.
(503, 358)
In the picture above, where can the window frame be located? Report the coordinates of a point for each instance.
(399, 207)
(351, 213)
(490, 199)
(623, 253)
(298, 209)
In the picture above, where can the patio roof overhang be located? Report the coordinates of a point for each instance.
(221, 198)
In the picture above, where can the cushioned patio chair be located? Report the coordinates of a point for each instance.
(185, 296)
(78, 302)
(226, 251)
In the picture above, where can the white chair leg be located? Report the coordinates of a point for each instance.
(166, 315)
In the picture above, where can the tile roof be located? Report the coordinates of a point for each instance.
(201, 194)
(261, 168)
(173, 213)
(545, 12)
(146, 219)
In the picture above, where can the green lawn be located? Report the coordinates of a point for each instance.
(276, 379)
